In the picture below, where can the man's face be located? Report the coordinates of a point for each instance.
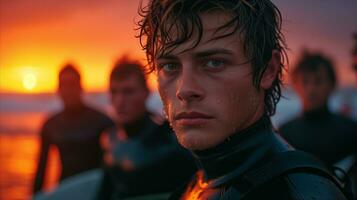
(208, 93)
(314, 88)
(70, 90)
(128, 97)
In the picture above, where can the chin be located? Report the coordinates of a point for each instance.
(196, 139)
(123, 120)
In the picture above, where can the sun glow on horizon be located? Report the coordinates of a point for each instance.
(29, 81)
(34, 79)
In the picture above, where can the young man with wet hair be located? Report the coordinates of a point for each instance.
(219, 66)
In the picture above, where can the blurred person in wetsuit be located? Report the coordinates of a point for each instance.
(327, 135)
(143, 155)
(75, 131)
(219, 65)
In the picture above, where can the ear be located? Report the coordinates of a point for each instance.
(271, 71)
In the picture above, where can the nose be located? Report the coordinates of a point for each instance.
(310, 88)
(189, 87)
(117, 99)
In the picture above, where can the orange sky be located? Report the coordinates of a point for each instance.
(92, 36)
(37, 37)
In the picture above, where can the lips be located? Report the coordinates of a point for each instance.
(192, 118)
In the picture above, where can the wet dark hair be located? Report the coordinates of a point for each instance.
(257, 21)
(69, 68)
(125, 67)
(312, 62)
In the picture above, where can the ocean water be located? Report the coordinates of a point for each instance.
(19, 145)
(21, 117)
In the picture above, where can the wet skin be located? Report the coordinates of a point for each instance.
(208, 91)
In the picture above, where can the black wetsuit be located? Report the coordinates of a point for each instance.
(223, 168)
(76, 135)
(328, 136)
(149, 161)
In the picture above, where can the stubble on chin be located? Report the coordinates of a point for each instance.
(187, 141)
(196, 138)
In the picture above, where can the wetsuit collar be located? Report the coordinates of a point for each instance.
(134, 128)
(317, 113)
(242, 150)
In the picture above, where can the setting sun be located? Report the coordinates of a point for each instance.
(42, 37)
(29, 81)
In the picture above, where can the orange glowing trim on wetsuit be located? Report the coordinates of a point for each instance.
(195, 192)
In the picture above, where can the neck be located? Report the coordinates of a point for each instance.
(134, 128)
(242, 149)
(317, 112)
(75, 108)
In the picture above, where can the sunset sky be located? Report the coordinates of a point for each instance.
(38, 36)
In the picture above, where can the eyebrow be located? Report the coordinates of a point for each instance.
(199, 54)
(207, 53)
(166, 56)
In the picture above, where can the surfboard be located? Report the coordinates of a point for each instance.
(83, 186)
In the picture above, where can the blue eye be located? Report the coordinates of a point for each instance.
(169, 67)
(214, 64)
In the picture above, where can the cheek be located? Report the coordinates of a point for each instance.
(114, 98)
(136, 102)
(302, 92)
(166, 99)
(327, 90)
(239, 105)
(137, 99)
(117, 101)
